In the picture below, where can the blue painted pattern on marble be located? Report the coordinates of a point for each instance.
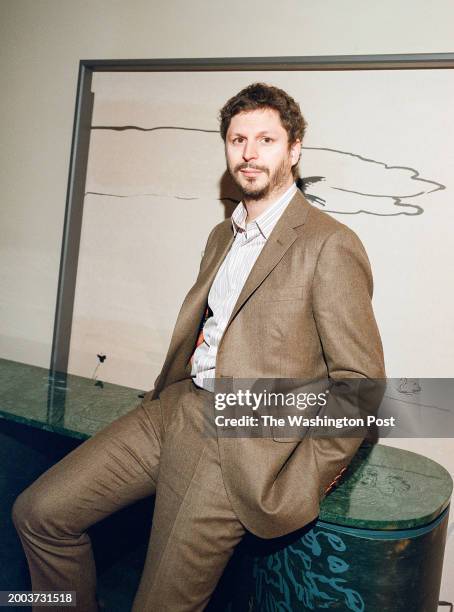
(289, 575)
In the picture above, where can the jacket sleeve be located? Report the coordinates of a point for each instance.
(342, 307)
(352, 348)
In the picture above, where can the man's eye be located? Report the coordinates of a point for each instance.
(267, 139)
(238, 139)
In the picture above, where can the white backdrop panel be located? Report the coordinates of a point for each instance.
(379, 157)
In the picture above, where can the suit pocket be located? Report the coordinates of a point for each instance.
(280, 294)
(281, 440)
(279, 434)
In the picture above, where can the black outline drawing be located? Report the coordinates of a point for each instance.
(305, 183)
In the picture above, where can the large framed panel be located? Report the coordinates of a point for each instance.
(148, 182)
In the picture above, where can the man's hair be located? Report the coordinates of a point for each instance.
(261, 95)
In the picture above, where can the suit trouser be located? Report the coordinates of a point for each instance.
(153, 449)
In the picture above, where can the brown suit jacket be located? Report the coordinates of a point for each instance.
(304, 312)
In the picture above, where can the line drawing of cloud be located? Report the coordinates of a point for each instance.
(336, 181)
(389, 185)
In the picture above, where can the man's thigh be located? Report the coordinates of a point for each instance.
(195, 529)
(114, 468)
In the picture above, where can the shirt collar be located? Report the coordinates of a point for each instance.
(266, 221)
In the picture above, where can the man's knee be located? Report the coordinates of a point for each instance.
(34, 512)
(19, 512)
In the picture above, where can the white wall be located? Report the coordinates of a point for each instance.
(42, 42)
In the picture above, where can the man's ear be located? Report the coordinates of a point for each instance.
(295, 152)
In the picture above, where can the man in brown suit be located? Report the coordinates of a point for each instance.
(284, 291)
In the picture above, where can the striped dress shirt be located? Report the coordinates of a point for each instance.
(249, 240)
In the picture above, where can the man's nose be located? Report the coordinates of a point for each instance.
(250, 151)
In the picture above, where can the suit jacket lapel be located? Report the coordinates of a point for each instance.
(279, 241)
(214, 259)
(198, 295)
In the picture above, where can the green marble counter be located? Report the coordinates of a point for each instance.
(63, 403)
(384, 488)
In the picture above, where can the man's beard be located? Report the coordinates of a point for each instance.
(254, 192)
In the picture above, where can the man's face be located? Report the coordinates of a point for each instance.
(258, 155)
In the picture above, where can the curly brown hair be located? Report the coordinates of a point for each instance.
(261, 95)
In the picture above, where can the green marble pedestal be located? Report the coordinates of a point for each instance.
(377, 546)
